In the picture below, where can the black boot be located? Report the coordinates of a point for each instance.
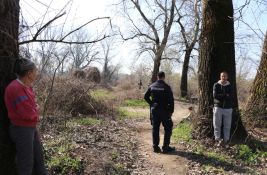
(167, 149)
(156, 149)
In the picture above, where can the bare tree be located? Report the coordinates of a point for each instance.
(158, 18)
(189, 36)
(243, 79)
(142, 74)
(62, 58)
(109, 70)
(82, 55)
(52, 56)
(45, 53)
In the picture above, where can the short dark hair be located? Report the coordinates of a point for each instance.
(224, 72)
(161, 74)
(22, 66)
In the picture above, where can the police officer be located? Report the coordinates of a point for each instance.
(160, 98)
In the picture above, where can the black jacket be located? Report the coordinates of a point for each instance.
(223, 95)
(159, 95)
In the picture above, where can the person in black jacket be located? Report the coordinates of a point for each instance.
(160, 98)
(223, 107)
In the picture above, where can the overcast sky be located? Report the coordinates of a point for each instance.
(81, 11)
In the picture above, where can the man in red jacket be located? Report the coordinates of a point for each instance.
(23, 114)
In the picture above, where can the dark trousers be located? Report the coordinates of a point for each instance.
(28, 150)
(161, 116)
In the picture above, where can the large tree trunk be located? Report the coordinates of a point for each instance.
(217, 54)
(184, 78)
(9, 24)
(256, 108)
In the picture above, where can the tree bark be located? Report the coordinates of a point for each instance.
(9, 25)
(184, 78)
(217, 54)
(256, 109)
(156, 68)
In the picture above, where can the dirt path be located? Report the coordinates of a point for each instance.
(162, 163)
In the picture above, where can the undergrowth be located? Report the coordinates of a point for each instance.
(219, 160)
(85, 121)
(129, 113)
(136, 103)
(182, 132)
(59, 159)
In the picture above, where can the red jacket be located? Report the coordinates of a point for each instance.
(21, 106)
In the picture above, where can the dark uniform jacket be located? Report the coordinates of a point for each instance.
(159, 95)
(223, 95)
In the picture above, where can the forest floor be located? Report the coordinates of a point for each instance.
(84, 145)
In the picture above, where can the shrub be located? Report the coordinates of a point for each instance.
(69, 96)
(80, 74)
(93, 74)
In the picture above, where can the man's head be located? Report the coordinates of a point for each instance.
(25, 69)
(224, 76)
(161, 75)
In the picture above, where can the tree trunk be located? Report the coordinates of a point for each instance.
(156, 68)
(217, 54)
(184, 78)
(9, 24)
(256, 108)
(105, 71)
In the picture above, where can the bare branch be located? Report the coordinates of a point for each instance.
(168, 28)
(182, 30)
(83, 26)
(241, 8)
(62, 39)
(197, 25)
(64, 42)
(165, 12)
(136, 35)
(138, 30)
(46, 25)
(146, 20)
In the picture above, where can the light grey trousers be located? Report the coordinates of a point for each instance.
(222, 115)
(28, 150)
